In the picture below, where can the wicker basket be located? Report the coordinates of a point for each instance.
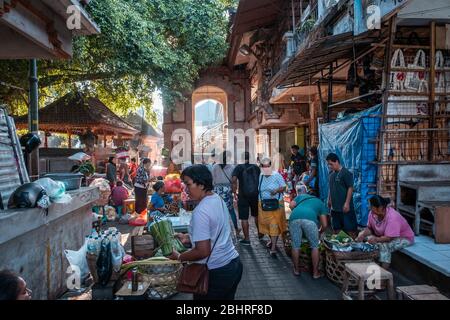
(305, 262)
(163, 278)
(335, 263)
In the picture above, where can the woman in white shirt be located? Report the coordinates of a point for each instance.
(210, 236)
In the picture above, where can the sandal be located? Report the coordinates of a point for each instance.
(321, 275)
(273, 254)
(296, 273)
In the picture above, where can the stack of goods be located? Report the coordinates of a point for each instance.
(163, 234)
(342, 242)
(172, 183)
(104, 255)
(105, 191)
(341, 249)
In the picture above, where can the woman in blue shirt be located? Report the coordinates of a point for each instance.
(271, 186)
(157, 200)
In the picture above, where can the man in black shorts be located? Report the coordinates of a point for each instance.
(248, 176)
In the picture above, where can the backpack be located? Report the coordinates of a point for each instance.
(250, 176)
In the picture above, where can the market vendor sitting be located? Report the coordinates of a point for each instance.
(387, 229)
(118, 195)
(308, 213)
(159, 200)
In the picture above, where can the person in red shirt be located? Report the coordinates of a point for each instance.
(133, 169)
(118, 194)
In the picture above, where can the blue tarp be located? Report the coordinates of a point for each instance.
(353, 139)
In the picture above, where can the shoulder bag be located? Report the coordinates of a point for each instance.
(194, 277)
(268, 204)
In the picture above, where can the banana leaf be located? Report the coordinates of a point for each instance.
(162, 231)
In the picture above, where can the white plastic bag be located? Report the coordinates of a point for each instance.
(56, 190)
(398, 77)
(77, 260)
(117, 254)
(440, 74)
(111, 213)
(416, 81)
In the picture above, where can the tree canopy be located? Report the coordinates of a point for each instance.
(143, 45)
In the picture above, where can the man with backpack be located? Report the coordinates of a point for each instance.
(248, 176)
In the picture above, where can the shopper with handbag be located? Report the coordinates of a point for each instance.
(214, 269)
(271, 213)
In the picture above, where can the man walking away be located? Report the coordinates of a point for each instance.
(298, 165)
(248, 176)
(340, 195)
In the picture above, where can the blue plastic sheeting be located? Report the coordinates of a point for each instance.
(353, 139)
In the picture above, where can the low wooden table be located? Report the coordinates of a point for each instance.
(419, 292)
(363, 272)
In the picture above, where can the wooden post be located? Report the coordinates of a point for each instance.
(432, 86)
(70, 139)
(104, 139)
(45, 139)
(386, 76)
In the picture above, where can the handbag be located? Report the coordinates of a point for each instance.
(194, 277)
(268, 204)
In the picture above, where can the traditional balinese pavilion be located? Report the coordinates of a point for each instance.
(77, 114)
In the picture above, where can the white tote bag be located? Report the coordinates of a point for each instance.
(440, 73)
(416, 81)
(398, 77)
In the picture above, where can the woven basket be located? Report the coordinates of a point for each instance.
(335, 263)
(305, 262)
(163, 279)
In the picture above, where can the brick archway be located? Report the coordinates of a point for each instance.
(229, 88)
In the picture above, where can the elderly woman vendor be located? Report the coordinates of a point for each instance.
(387, 229)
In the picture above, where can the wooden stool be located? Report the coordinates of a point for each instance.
(362, 272)
(129, 204)
(420, 292)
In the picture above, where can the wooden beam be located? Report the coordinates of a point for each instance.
(432, 91)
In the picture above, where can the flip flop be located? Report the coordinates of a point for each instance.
(273, 254)
(297, 274)
(319, 276)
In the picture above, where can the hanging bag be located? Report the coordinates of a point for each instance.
(268, 204)
(416, 81)
(398, 77)
(440, 74)
(194, 277)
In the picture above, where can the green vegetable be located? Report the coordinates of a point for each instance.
(163, 232)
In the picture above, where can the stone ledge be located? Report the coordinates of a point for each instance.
(16, 222)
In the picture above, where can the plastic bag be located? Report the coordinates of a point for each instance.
(117, 254)
(111, 213)
(140, 221)
(104, 263)
(56, 190)
(125, 218)
(77, 259)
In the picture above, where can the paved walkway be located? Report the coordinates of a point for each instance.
(267, 278)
